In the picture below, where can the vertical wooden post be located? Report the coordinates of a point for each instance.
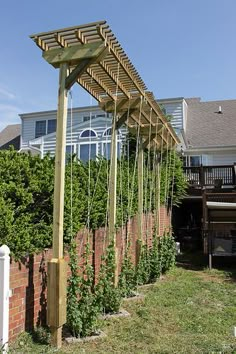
(112, 191)
(158, 203)
(210, 241)
(140, 190)
(59, 181)
(56, 268)
(140, 200)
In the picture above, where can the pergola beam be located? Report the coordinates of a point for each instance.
(72, 55)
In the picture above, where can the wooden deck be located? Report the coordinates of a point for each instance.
(211, 177)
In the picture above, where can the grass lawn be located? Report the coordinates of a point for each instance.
(191, 310)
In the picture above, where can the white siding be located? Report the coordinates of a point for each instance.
(224, 159)
(174, 108)
(29, 120)
(215, 158)
(73, 136)
(185, 114)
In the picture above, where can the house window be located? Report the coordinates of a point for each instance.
(87, 152)
(43, 127)
(195, 161)
(107, 132)
(69, 153)
(88, 134)
(52, 126)
(107, 149)
(69, 149)
(40, 128)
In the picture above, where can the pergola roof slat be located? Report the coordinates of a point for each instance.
(111, 79)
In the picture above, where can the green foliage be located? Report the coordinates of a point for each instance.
(26, 186)
(173, 184)
(127, 278)
(143, 267)
(26, 197)
(107, 293)
(82, 308)
(155, 261)
(167, 252)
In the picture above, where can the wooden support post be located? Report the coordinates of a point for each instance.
(140, 190)
(56, 267)
(158, 203)
(112, 191)
(210, 241)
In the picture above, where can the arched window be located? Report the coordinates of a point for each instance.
(88, 133)
(108, 132)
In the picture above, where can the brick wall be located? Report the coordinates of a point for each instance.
(28, 278)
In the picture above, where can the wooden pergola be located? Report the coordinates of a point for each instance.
(97, 62)
(91, 56)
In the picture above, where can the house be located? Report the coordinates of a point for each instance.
(10, 136)
(88, 133)
(209, 155)
(206, 130)
(210, 132)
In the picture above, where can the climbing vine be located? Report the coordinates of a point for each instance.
(82, 306)
(127, 278)
(108, 295)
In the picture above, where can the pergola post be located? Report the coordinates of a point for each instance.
(158, 202)
(140, 189)
(140, 199)
(56, 308)
(112, 192)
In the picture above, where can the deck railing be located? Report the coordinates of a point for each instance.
(211, 176)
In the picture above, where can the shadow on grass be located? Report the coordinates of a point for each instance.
(198, 261)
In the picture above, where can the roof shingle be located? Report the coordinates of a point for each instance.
(206, 127)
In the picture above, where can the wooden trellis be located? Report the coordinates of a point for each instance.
(91, 56)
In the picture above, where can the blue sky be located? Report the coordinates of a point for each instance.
(181, 48)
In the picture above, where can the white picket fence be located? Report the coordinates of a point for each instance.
(4, 297)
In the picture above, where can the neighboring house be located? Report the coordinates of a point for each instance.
(10, 136)
(207, 131)
(210, 132)
(88, 133)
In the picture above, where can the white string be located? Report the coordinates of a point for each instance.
(71, 164)
(128, 180)
(159, 177)
(89, 161)
(136, 153)
(113, 132)
(173, 182)
(166, 175)
(147, 179)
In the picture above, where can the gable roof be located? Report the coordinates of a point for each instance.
(206, 127)
(10, 136)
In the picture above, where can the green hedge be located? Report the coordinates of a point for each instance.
(26, 197)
